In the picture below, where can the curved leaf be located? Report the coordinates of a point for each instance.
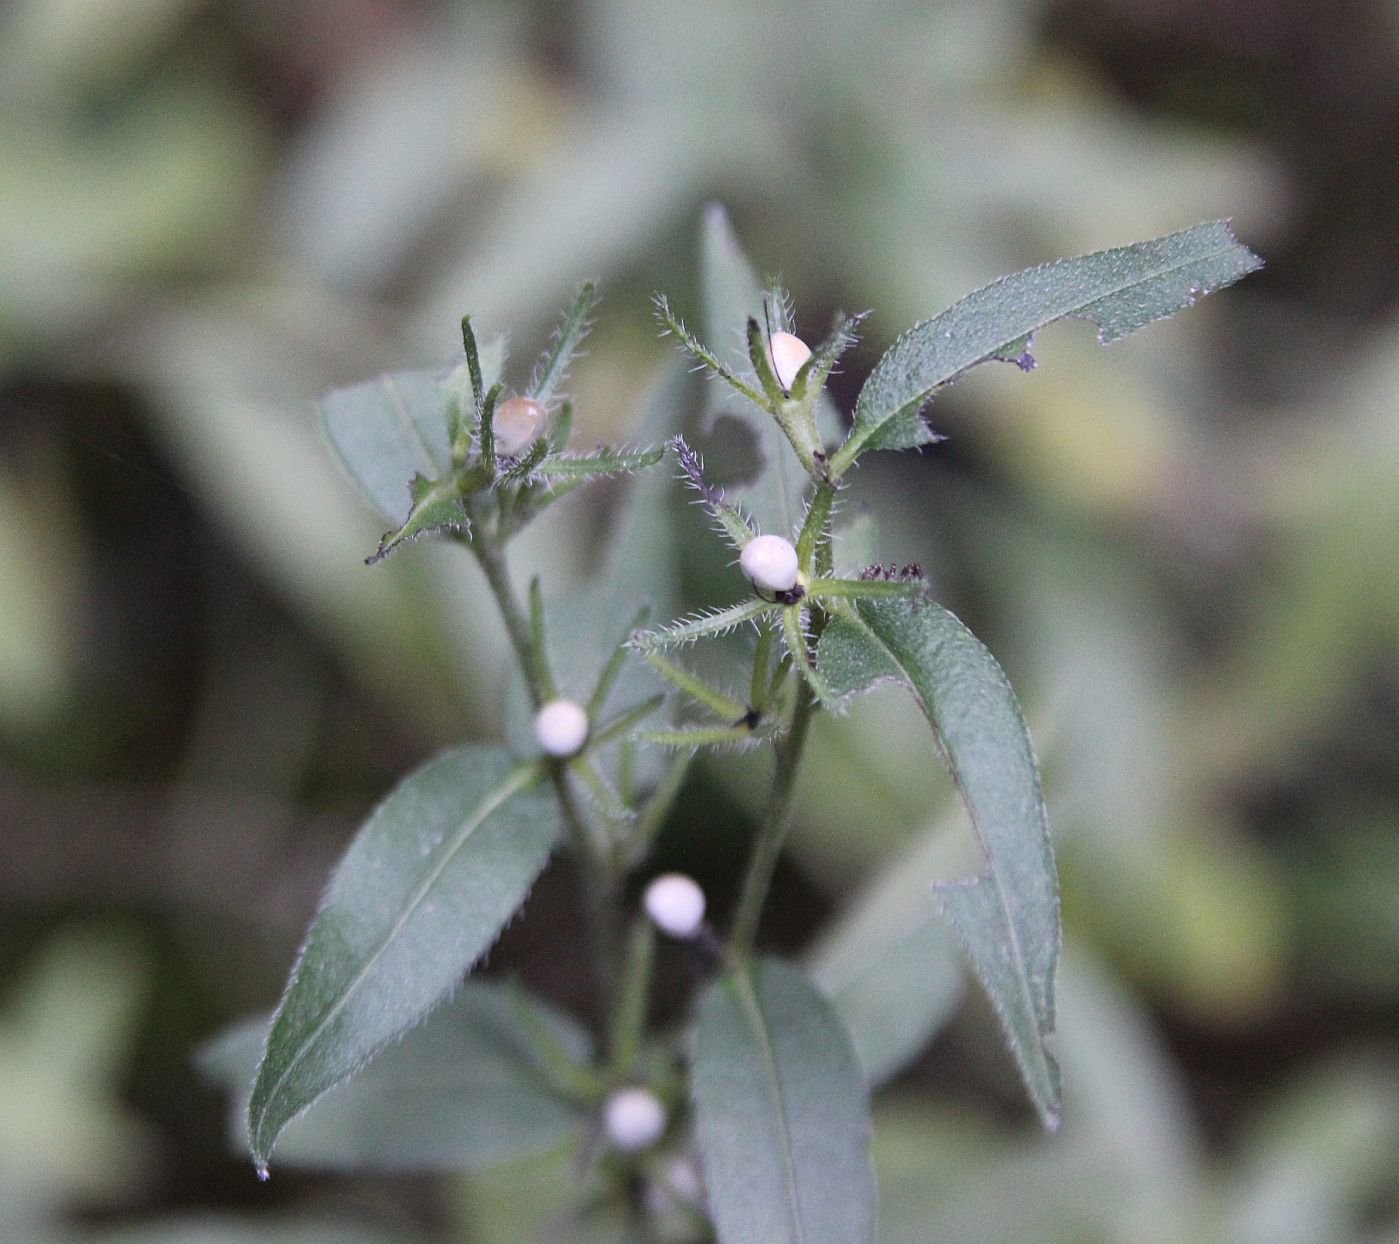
(781, 1113)
(423, 890)
(464, 1090)
(1120, 290)
(1008, 917)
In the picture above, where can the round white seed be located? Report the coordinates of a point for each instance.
(516, 422)
(769, 562)
(675, 904)
(633, 1118)
(787, 353)
(561, 727)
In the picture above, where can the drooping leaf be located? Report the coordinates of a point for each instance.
(423, 890)
(781, 1112)
(388, 430)
(1120, 290)
(462, 1091)
(1007, 918)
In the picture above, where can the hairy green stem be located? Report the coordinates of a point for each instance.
(772, 831)
(598, 861)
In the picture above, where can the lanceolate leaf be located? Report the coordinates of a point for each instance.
(423, 890)
(599, 463)
(553, 367)
(1008, 917)
(781, 1113)
(1120, 290)
(464, 1090)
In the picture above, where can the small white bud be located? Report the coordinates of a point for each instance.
(675, 904)
(517, 421)
(770, 562)
(561, 727)
(633, 1118)
(787, 354)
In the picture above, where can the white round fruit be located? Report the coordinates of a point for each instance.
(561, 727)
(633, 1118)
(517, 422)
(675, 904)
(769, 562)
(787, 353)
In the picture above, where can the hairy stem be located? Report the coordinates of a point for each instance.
(772, 831)
(601, 875)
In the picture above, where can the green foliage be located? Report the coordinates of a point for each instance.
(1008, 917)
(781, 1112)
(421, 894)
(1120, 290)
(777, 1065)
(467, 1088)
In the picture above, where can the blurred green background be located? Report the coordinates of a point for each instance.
(1183, 549)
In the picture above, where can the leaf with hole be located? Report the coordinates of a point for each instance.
(1120, 290)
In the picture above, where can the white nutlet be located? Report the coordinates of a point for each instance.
(787, 354)
(675, 904)
(561, 727)
(633, 1118)
(516, 422)
(769, 562)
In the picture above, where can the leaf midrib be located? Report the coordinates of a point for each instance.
(749, 999)
(522, 777)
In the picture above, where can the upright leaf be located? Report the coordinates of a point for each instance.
(553, 367)
(462, 1091)
(781, 1113)
(1120, 290)
(1008, 917)
(423, 890)
(774, 489)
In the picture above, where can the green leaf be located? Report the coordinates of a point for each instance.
(781, 1113)
(602, 462)
(437, 507)
(422, 892)
(553, 367)
(388, 430)
(464, 1090)
(703, 625)
(1008, 917)
(1120, 290)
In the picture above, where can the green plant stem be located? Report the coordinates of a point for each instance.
(634, 990)
(597, 859)
(772, 831)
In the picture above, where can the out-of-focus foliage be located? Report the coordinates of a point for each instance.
(1181, 548)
